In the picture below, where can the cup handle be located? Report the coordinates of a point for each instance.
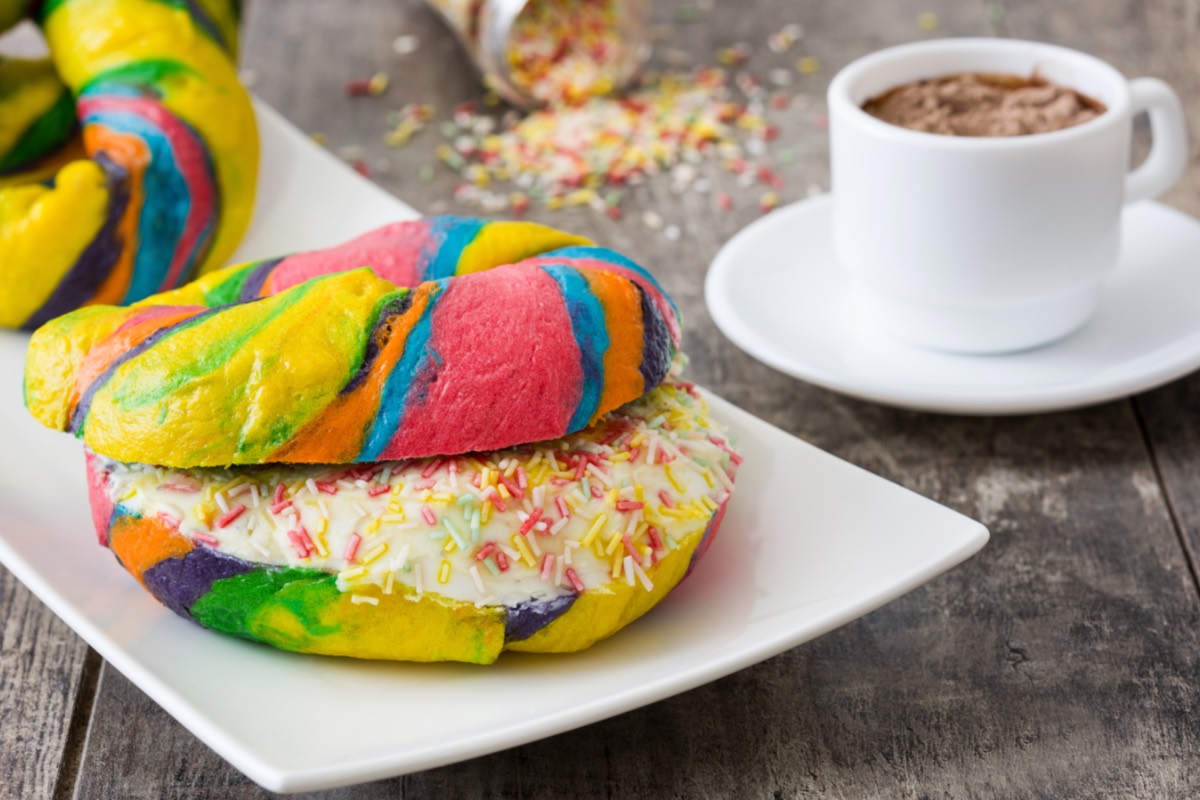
(1164, 165)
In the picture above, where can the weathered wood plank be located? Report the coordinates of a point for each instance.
(1171, 415)
(44, 669)
(46, 672)
(1062, 661)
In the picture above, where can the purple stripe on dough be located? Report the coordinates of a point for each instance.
(656, 343)
(179, 582)
(95, 263)
(526, 619)
(206, 24)
(85, 401)
(382, 331)
(258, 277)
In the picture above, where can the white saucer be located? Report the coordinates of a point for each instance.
(777, 292)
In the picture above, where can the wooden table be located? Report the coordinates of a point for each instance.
(1062, 661)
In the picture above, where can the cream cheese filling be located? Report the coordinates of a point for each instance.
(506, 527)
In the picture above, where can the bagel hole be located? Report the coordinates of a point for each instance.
(24, 40)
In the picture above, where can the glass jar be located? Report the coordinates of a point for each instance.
(518, 45)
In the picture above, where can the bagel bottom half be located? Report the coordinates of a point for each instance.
(548, 547)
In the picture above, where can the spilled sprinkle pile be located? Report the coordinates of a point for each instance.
(588, 152)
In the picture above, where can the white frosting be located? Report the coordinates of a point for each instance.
(453, 526)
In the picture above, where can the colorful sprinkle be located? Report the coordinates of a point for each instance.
(808, 65)
(230, 516)
(573, 577)
(405, 45)
(352, 547)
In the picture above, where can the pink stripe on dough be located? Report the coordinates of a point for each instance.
(191, 158)
(392, 252)
(656, 296)
(147, 313)
(509, 367)
(102, 505)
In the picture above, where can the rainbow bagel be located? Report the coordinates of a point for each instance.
(167, 186)
(542, 548)
(512, 333)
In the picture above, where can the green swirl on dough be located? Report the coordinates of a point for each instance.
(239, 605)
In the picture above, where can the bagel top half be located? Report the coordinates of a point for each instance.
(434, 337)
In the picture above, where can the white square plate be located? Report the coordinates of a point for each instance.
(809, 543)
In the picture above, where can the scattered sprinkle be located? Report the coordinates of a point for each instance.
(782, 40)
(378, 84)
(652, 220)
(733, 56)
(589, 154)
(405, 45)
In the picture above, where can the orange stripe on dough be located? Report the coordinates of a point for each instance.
(347, 418)
(622, 306)
(131, 153)
(142, 542)
(132, 332)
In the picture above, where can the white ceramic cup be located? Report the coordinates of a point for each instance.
(986, 245)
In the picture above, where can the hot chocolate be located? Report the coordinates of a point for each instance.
(984, 104)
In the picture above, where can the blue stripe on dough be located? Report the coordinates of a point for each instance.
(604, 254)
(165, 203)
(591, 335)
(403, 379)
(117, 89)
(450, 236)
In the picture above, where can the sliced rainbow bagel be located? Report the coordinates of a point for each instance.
(543, 548)
(168, 186)
(346, 366)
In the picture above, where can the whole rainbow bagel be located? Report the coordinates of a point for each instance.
(512, 333)
(543, 548)
(167, 186)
